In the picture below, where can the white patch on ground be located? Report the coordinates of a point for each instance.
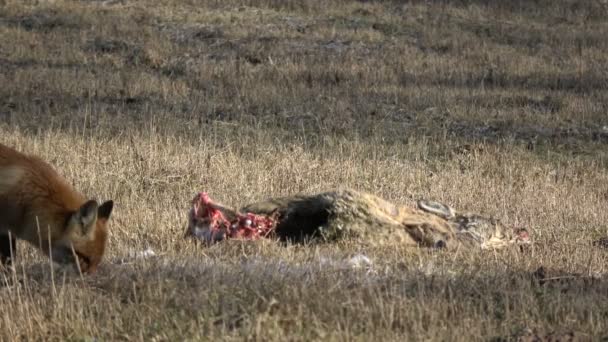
(136, 255)
(360, 261)
(357, 262)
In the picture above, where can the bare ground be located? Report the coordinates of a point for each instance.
(490, 106)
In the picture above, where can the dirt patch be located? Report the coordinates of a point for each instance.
(531, 134)
(546, 104)
(601, 243)
(101, 45)
(205, 34)
(538, 335)
(44, 21)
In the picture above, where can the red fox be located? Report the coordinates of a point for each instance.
(39, 206)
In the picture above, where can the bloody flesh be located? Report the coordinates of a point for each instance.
(246, 226)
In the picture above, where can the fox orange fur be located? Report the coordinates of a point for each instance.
(39, 206)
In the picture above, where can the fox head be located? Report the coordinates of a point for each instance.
(86, 236)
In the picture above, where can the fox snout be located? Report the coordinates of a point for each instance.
(67, 256)
(87, 237)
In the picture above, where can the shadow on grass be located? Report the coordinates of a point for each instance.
(491, 79)
(234, 294)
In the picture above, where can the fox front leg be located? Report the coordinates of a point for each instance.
(8, 249)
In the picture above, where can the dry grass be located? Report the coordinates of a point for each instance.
(492, 106)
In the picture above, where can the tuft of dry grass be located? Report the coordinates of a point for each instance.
(490, 106)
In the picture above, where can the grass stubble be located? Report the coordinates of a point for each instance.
(490, 106)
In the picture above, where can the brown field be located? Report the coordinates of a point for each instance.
(498, 107)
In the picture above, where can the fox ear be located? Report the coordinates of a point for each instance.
(86, 216)
(104, 210)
